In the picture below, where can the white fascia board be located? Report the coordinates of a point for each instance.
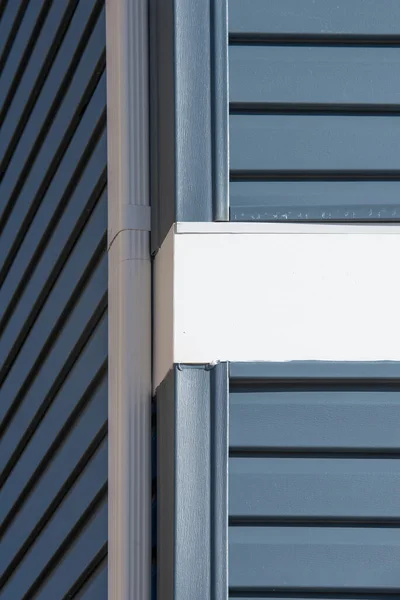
(277, 295)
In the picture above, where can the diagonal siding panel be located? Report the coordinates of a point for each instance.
(53, 298)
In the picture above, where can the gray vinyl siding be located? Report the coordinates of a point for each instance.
(314, 479)
(314, 94)
(188, 59)
(192, 458)
(53, 300)
(278, 480)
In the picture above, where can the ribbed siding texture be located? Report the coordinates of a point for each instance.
(53, 300)
(314, 110)
(314, 481)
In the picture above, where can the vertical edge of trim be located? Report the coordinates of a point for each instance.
(192, 548)
(163, 119)
(129, 548)
(220, 462)
(193, 110)
(192, 463)
(165, 407)
(163, 309)
(153, 125)
(220, 103)
(189, 113)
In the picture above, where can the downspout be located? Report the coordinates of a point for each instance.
(129, 301)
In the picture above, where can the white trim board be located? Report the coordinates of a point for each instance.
(274, 297)
(288, 228)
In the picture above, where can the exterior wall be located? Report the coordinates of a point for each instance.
(53, 299)
(307, 491)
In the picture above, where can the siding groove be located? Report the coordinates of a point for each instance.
(53, 300)
(96, 316)
(34, 79)
(51, 510)
(313, 477)
(26, 204)
(42, 117)
(31, 23)
(3, 6)
(59, 258)
(79, 556)
(54, 328)
(91, 589)
(68, 543)
(28, 49)
(238, 38)
(314, 97)
(9, 40)
(13, 296)
(19, 495)
(96, 568)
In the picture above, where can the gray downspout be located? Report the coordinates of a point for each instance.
(129, 301)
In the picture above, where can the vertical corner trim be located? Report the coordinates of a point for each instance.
(129, 548)
(220, 110)
(192, 464)
(189, 113)
(219, 480)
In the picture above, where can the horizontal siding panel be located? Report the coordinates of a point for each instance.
(314, 200)
(313, 558)
(314, 143)
(311, 372)
(328, 417)
(315, 75)
(314, 488)
(64, 468)
(71, 73)
(52, 430)
(311, 17)
(68, 285)
(314, 475)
